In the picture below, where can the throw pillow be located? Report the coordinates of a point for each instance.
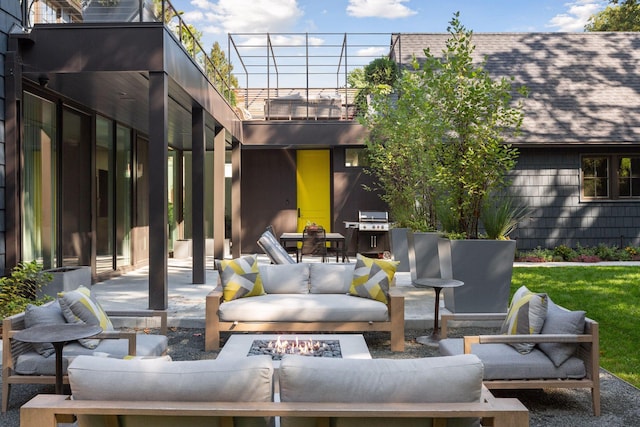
(48, 314)
(561, 321)
(240, 278)
(525, 316)
(330, 278)
(372, 278)
(80, 306)
(285, 278)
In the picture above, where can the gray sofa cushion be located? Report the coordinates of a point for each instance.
(561, 321)
(503, 362)
(32, 363)
(285, 278)
(432, 379)
(328, 278)
(303, 308)
(248, 379)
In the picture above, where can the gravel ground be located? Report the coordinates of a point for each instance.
(548, 408)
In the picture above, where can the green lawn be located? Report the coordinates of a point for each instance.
(609, 295)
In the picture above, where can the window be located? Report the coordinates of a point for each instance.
(611, 177)
(355, 157)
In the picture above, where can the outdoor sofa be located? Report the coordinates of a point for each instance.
(305, 297)
(307, 391)
(25, 363)
(561, 350)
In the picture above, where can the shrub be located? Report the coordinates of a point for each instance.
(21, 288)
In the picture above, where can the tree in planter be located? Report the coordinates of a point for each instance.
(474, 113)
(400, 151)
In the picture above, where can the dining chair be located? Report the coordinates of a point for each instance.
(314, 242)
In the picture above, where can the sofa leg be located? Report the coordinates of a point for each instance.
(595, 399)
(6, 389)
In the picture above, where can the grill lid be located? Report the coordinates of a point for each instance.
(373, 216)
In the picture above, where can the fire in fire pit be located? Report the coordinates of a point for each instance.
(278, 348)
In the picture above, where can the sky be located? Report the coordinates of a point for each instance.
(216, 18)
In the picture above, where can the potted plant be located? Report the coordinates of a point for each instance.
(442, 142)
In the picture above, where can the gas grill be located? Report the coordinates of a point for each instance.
(372, 234)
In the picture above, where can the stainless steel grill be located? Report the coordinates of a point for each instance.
(373, 221)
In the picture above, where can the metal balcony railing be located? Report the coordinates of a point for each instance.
(119, 11)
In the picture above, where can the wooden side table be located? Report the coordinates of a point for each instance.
(437, 284)
(58, 335)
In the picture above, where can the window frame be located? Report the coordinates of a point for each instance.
(612, 177)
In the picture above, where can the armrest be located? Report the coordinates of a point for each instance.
(446, 317)
(162, 314)
(514, 339)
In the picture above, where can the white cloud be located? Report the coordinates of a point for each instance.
(372, 51)
(379, 9)
(577, 15)
(243, 16)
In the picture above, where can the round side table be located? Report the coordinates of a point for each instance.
(58, 335)
(437, 285)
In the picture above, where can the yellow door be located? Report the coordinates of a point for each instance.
(313, 185)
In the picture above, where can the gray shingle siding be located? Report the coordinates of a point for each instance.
(9, 14)
(559, 216)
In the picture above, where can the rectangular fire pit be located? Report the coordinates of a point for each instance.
(352, 346)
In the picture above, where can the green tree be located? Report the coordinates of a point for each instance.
(400, 146)
(618, 16)
(450, 121)
(219, 72)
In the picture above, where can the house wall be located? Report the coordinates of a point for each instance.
(9, 14)
(268, 182)
(548, 181)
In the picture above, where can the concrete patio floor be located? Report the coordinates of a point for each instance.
(186, 301)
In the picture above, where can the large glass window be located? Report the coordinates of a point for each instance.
(123, 195)
(105, 192)
(615, 176)
(75, 188)
(39, 182)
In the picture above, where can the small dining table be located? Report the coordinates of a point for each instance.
(336, 238)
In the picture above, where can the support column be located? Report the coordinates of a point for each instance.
(13, 98)
(197, 198)
(236, 222)
(158, 188)
(219, 145)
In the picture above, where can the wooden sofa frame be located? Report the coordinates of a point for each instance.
(588, 351)
(46, 410)
(213, 324)
(12, 348)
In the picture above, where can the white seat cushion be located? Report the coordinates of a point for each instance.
(303, 308)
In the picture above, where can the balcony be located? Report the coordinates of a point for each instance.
(280, 76)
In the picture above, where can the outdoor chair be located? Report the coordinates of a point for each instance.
(291, 249)
(314, 242)
(273, 249)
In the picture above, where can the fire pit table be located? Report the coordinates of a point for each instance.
(352, 346)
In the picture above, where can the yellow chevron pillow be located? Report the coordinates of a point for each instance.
(240, 278)
(372, 278)
(526, 316)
